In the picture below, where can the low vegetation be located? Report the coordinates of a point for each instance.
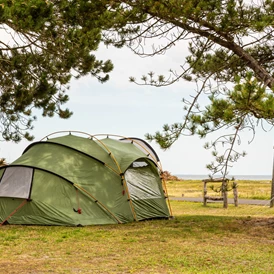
(197, 240)
(167, 176)
(3, 162)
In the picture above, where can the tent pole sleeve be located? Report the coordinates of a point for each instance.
(166, 193)
(128, 195)
(122, 176)
(112, 169)
(104, 207)
(133, 140)
(110, 154)
(15, 210)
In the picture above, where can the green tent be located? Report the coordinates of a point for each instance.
(75, 180)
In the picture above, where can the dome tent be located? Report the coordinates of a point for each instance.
(75, 180)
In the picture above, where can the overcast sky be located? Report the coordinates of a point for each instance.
(120, 107)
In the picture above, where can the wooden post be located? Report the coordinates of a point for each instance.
(224, 193)
(204, 193)
(235, 193)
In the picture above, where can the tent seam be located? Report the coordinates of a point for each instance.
(74, 149)
(98, 202)
(39, 168)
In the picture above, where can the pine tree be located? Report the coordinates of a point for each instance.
(43, 45)
(231, 58)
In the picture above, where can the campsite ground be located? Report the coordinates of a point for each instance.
(198, 240)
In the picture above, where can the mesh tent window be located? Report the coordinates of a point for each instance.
(16, 182)
(141, 182)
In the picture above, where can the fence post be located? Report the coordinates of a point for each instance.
(235, 193)
(224, 193)
(204, 193)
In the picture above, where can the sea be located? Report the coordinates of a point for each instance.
(236, 177)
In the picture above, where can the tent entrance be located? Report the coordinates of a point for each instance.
(145, 190)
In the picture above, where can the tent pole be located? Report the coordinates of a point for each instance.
(14, 211)
(272, 187)
(122, 176)
(128, 195)
(166, 193)
(102, 206)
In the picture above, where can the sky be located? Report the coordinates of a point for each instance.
(124, 108)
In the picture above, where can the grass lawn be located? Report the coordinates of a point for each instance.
(198, 240)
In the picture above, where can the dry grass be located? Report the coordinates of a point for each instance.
(246, 189)
(189, 188)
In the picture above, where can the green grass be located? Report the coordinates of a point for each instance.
(198, 240)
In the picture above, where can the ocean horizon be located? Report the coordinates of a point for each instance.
(236, 177)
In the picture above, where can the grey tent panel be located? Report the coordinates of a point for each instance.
(142, 184)
(144, 188)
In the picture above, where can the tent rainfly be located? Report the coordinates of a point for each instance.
(77, 180)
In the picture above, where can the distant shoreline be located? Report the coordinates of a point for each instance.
(236, 177)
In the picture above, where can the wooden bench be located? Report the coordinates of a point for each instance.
(223, 190)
